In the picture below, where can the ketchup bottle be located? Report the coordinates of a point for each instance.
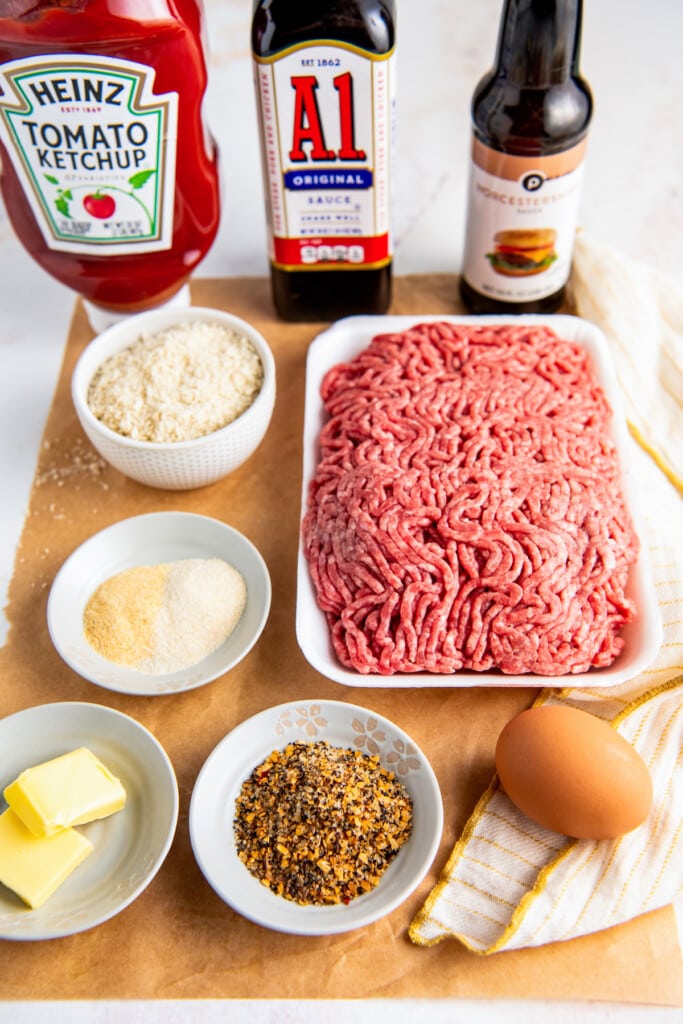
(109, 175)
(530, 120)
(325, 82)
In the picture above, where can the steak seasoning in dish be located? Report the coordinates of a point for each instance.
(530, 118)
(325, 83)
(94, 97)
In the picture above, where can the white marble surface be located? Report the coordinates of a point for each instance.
(633, 197)
(381, 1011)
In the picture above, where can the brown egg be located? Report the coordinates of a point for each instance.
(573, 773)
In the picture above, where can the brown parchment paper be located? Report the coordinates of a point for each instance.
(178, 940)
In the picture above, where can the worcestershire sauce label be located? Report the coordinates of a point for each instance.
(94, 149)
(327, 116)
(521, 222)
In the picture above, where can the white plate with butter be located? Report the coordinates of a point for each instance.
(129, 846)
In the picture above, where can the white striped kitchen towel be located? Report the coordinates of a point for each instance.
(510, 883)
(640, 311)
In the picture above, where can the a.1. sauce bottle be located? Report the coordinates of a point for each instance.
(109, 175)
(530, 117)
(325, 85)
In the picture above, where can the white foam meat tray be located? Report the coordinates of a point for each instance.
(642, 637)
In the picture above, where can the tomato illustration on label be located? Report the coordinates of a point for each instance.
(100, 205)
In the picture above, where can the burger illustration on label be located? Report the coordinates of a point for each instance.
(522, 252)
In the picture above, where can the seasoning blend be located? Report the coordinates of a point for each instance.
(95, 96)
(530, 119)
(320, 824)
(325, 83)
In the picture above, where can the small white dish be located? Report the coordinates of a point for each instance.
(180, 465)
(642, 637)
(232, 761)
(129, 846)
(149, 540)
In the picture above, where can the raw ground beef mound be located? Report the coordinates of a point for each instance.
(466, 511)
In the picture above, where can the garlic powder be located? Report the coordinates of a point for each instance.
(163, 618)
(177, 384)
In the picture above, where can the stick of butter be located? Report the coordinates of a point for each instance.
(34, 866)
(68, 790)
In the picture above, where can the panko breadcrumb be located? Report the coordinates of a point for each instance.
(177, 384)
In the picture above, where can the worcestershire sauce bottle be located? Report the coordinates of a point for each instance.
(325, 86)
(530, 118)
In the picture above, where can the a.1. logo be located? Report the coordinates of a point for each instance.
(308, 128)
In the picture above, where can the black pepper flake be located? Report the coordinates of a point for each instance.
(319, 824)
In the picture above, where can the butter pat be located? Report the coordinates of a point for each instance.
(34, 866)
(68, 790)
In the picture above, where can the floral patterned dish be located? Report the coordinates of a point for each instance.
(218, 784)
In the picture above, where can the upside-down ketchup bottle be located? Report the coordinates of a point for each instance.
(325, 85)
(530, 118)
(108, 173)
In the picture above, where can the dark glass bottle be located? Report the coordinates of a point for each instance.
(530, 118)
(325, 87)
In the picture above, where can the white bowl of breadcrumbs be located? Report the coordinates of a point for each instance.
(176, 399)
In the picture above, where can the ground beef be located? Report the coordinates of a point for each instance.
(466, 510)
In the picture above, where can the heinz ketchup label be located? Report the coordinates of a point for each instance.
(95, 150)
(327, 118)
